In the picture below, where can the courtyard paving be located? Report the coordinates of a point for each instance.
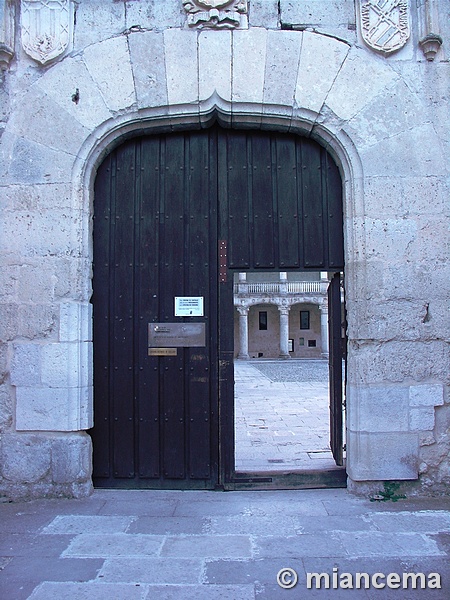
(282, 418)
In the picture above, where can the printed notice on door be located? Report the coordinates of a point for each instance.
(189, 306)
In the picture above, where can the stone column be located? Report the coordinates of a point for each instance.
(284, 331)
(324, 329)
(243, 332)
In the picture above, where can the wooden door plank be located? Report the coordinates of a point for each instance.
(262, 201)
(313, 234)
(172, 254)
(122, 314)
(147, 308)
(238, 178)
(287, 202)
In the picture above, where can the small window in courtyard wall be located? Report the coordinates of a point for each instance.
(304, 319)
(263, 320)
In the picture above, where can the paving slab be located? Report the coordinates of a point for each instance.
(152, 570)
(114, 544)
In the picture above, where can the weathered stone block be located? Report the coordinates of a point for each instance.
(37, 321)
(149, 69)
(8, 322)
(26, 364)
(37, 197)
(382, 456)
(4, 359)
(365, 79)
(181, 65)
(41, 233)
(29, 162)
(75, 321)
(66, 364)
(53, 409)
(314, 82)
(9, 276)
(25, 457)
(35, 282)
(61, 82)
(382, 158)
(214, 55)
(43, 121)
(378, 408)
(368, 126)
(330, 13)
(398, 361)
(421, 419)
(109, 64)
(249, 47)
(6, 407)
(426, 395)
(155, 15)
(71, 458)
(282, 64)
(397, 196)
(98, 20)
(263, 13)
(397, 319)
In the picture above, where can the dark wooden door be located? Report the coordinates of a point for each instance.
(335, 318)
(174, 215)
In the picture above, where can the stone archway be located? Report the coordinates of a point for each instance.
(201, 74)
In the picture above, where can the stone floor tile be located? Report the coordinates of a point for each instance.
(247, 571)
(419, 522)
(201, 592)
(332, 523)
(104, 545)
(276, 506)
(275, 592)
(252, 524)
(206, 546)
(16, 544)
(153, 506)
(22, 574)
(298, 546)
(152, 570)
(19, 522)
(72, 524)
(210, 509)
(169, 525)
(50, 590)
(388, 544)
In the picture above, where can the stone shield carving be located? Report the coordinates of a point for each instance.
(385, 24)
(46, 28)
(220, 14)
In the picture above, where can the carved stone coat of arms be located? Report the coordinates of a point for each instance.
(385, 24)
(220, 14)
(46, 28)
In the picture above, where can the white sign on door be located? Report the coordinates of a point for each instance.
(189, 306)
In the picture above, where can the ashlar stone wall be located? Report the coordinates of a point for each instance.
(298, 67)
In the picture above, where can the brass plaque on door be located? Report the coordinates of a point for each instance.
(176, 335)
(162, 351)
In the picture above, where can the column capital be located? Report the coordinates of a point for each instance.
(243, 310)
(284, 309)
